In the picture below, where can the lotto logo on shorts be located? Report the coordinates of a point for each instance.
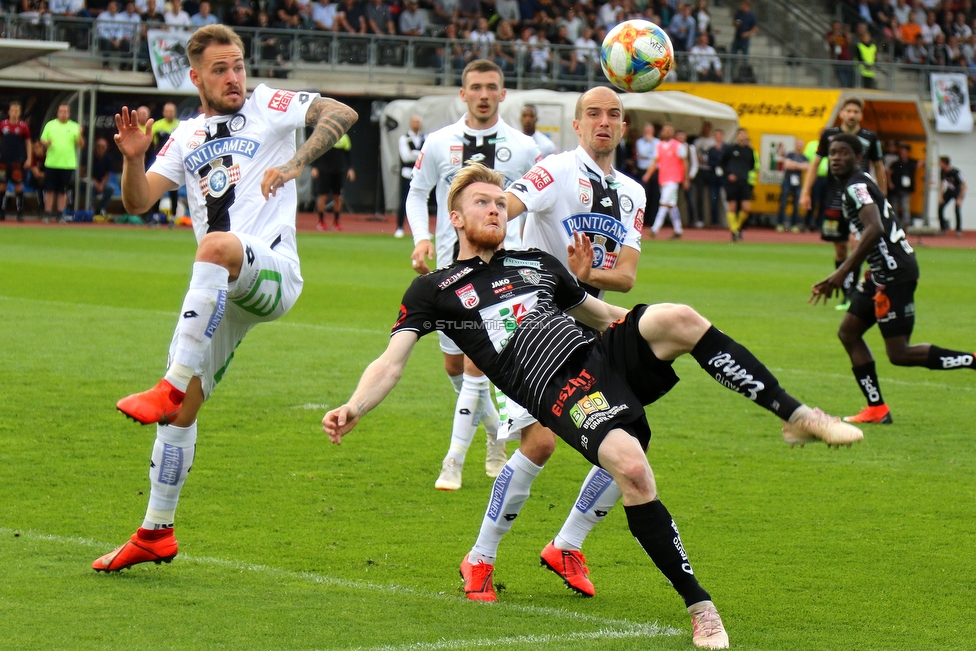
(280, 100)
(539, 177)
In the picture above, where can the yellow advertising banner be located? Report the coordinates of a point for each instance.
(774, 118)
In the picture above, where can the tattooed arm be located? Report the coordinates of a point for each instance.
(331, 120)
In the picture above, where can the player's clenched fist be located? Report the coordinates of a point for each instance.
(339, 422)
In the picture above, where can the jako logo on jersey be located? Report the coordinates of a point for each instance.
(539, 177)
(957, 361)
(218, 148)
(735, 377)
(469, 296)
(280, 100)
(453, 278)
(500, 283)
(595, 224)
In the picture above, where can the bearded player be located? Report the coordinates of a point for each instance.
(237, 161)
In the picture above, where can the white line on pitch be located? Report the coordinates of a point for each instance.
(360, 585)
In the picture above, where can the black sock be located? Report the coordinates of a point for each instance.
(734, 367)
(3, 200)
(19, 201)
(867, 379)
(335, 218)
(321, 217)
(657, 533)
(941, 359)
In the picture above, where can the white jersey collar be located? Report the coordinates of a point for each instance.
(590, 163)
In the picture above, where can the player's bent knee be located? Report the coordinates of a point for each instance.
(219, 248)
(538, 443)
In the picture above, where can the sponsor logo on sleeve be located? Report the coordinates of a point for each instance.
(860, 193)
(454, 277)
(162, 152)
(469, 296)
(420, 160)
(280, 100)
(639, 220)
(539, 177)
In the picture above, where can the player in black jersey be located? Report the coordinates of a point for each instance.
(833, 228)
(953, 189)
(886, 296)
(510, 313)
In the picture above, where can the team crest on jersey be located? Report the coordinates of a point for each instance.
(504, 154)
(198, 138)
(237, 123)
(219, 179)
(585, 192)
(456, 152)
(626, 203)
(469, 296)
(280, 100)
(530, 276)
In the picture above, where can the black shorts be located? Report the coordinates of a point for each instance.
(12, 171)
(834, 227)
(892, 307)
(738, 191)
(328, 183)
(56, 180)
(604, 386)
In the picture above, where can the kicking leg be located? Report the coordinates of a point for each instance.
(901, 353)
(653, 527)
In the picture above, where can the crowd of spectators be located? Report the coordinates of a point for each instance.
(915, 32)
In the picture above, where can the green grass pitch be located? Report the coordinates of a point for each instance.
(289, 542)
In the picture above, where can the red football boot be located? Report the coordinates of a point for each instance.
(571, 566)
(161, 404)
(144, 546)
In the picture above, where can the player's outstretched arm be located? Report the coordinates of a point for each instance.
(596, 313)
(140, 191)
(378, 380)
(331, 120)
(870, 217)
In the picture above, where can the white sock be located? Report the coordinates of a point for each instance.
(489, 414)
(508, 494)
(456, 382)
(675, 219)
(597, 496)
(203, 308)
(662, 212)
(172, 458)
(467, 413)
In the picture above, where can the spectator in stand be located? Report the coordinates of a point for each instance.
(324, 16)
(901, 185)
(573, 23)
(839, 41)
(413, 21)
(884, 21)
(864, 14)
(175, 17)
(113, 34)
(16, 149)
(204, 17)
(930, 28)
(716, 177)
(794, 166)
(351, 18)
(681, 29)
(746, 26)
(565, 54)
(101, 172)
(939, 54)
(867, 54)
(703, 21)
(540, 55)
(481, 38)
(445, 11)
(917, 54)
(151, 18)
(503, 49)
(901, 10)
(960, 28)
(61, 138)
(907, 33)
(508, 10)
(587, 51)
(379, 18)
(288, 14)
(453, 53)
(704, 60)
(610, 14)
(468, 12)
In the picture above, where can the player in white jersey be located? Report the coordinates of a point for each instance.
(529, 118)
(479, 136)
(237, 161)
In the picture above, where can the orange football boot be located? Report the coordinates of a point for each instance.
(145, 545)
(161, 404)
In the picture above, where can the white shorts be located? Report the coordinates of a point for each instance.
(268, 286)
(669, 194)
(518, 417)
(448, 347)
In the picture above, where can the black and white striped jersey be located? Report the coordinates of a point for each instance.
(507, 315)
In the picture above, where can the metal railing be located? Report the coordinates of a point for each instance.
(430, 61)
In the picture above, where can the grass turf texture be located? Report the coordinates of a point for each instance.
(288, 542)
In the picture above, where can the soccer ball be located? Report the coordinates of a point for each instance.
(636, 56)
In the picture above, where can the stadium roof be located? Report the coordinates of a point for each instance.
(15, 50)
